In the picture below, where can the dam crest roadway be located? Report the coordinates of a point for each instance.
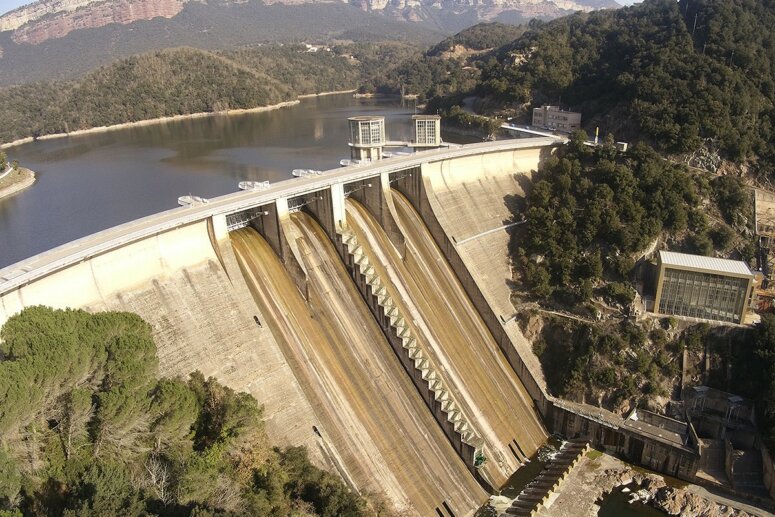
(367, 309)
(45, 263)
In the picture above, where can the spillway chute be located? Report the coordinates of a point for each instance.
(361, 394)
(478, 390)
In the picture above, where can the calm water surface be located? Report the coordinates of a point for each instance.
(92, 182)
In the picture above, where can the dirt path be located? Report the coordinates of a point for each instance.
(16, 181)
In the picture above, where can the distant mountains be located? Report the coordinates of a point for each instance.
(49, 19)
(63, 39)
(200, 26)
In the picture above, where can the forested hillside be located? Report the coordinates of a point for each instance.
(592, 211)
(173, 82)
(680, 75)
(676, 73)
(590, 216)
(483, 36)
(87, 428)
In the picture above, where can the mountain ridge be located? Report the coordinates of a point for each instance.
(203, 27)
(50, 19)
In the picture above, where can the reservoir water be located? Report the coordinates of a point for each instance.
(91, 182)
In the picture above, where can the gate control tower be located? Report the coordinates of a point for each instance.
(367, 138)
(427, 130)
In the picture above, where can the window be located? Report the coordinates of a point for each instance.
(702, 295)
(365, 133)
(376, 132)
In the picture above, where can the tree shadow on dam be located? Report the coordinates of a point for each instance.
(516, 204)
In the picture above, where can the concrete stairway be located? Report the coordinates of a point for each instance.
(441, 394)
(538, 491)
(747, 472)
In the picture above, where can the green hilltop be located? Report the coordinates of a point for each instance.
(185, 81)
(88, 428)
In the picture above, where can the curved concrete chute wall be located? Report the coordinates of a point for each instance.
(454, 344)
(373, 193)
(456, 171)
(463, 201)
(121, 269)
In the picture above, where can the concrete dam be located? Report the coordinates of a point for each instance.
(366, 309)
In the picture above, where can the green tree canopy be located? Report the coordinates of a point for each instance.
(87, 428)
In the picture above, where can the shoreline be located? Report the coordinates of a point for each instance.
(27, 182)
(171, 118)
(325, 94)
(453, 128)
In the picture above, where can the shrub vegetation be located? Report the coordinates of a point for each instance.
(87, 428)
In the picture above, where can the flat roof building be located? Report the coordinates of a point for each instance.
(553, 117)
(703, 287)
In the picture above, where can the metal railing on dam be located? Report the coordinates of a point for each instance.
(29, 270)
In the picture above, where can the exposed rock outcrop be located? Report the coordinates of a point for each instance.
(684, 503)
(55, 24)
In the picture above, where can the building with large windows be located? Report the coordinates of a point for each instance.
(703, 287)
(367, 137)
(427, 130)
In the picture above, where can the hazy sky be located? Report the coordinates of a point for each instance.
(9, 5)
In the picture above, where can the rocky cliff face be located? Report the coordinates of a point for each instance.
(57, 19)
(49, 19)
(18, 17)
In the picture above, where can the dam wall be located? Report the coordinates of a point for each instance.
(123, 269)
(248, 290)
(469, 207)
(419, 187)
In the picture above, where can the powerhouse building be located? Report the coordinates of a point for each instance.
(703, 287)
(554, 117)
